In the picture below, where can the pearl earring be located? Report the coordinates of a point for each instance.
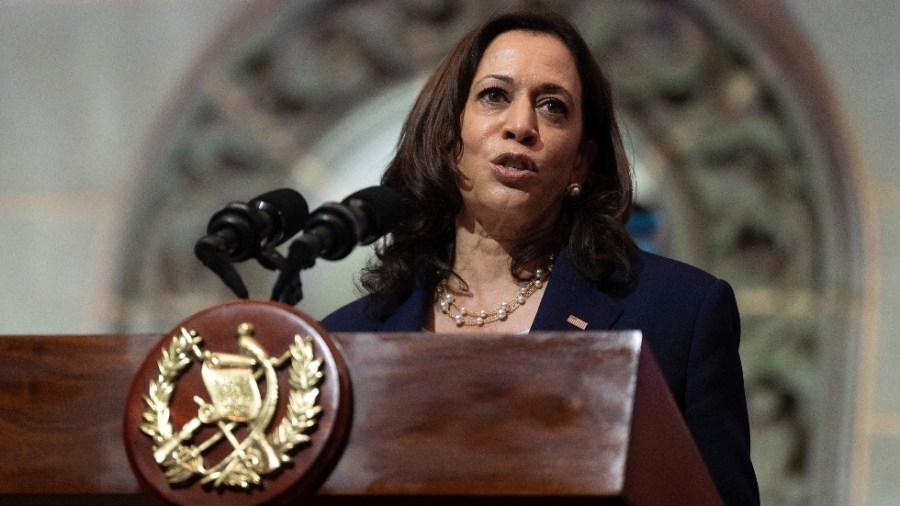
(573, 191)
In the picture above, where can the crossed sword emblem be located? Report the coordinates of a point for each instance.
(231, 380)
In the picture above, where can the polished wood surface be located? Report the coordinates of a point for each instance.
(568, 414)
(62, 400)
(488, 415)
(438, 417)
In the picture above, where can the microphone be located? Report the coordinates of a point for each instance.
(333, 230)
(363, 217)
(244, 230)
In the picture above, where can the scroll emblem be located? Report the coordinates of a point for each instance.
(235, 407)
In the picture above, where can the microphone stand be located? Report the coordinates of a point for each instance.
(212, 253)
(302, 254)
(330, 234)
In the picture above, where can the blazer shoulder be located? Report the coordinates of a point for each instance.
(372, 314)
(357, 316)
(664, 286)
(668, 274)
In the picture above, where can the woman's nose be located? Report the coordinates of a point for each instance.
(521, 123)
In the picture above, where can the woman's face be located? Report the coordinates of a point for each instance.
(521, 135)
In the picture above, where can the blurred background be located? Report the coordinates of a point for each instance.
(763, 135)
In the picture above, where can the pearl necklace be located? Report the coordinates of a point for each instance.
(462, 316)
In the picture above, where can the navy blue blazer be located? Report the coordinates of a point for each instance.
(688, 318)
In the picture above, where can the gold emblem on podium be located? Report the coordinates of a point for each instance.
(236, 407)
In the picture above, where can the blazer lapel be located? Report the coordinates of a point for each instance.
(573, 302)
(410, 315)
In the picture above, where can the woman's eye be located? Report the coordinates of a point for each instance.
(555, 106)
(492, 95)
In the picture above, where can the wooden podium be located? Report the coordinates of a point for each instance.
(564, 418)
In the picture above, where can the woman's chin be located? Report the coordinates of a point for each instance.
(514, 215)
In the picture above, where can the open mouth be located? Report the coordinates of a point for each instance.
(514, 162)
(513, 169)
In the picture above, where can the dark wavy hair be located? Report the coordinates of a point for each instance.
(424, 173)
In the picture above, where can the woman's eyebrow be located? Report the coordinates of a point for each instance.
(500, 77)
(556, 88)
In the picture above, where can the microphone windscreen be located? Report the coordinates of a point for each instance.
(383, 205)
(289, 205)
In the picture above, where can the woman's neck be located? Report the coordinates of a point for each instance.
(483, 251)
(483, 264)
(486, 286)
(480, 259)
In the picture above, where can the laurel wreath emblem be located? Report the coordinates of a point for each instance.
(181, 461)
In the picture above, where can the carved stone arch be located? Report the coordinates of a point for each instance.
(731, 123)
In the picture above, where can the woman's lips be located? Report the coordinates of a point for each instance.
(513, 168)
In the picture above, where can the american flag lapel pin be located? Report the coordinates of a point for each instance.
(576, 321)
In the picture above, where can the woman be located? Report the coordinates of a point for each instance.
(518, 192)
